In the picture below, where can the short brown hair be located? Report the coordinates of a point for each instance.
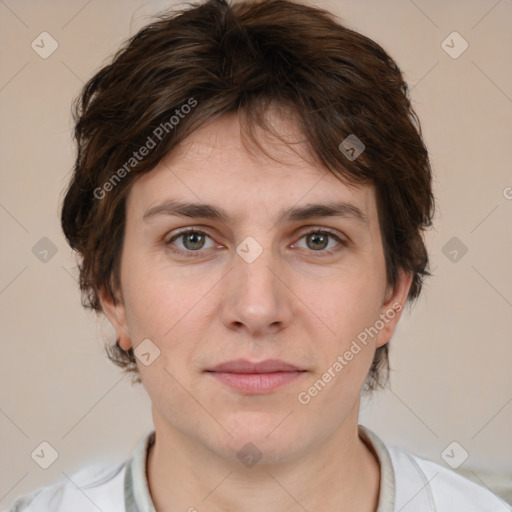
(224, 58)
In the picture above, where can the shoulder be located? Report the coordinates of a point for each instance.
(96, 487)
(423, 483)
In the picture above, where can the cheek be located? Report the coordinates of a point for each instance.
(346, 304)
(149, 293)
(348, 308)
(171, 310)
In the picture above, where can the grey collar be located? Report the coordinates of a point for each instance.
(136, 491)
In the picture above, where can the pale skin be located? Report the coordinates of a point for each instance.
(294, 302)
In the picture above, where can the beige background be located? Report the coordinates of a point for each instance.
(452, 355)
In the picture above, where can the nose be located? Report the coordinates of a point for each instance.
(257, 297)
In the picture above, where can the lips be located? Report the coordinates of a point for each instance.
(255, 378)
(244, 366)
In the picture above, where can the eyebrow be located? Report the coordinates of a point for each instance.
(173, 207)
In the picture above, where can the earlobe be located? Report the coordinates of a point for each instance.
(115, 312)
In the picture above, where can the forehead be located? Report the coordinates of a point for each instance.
(217, 164)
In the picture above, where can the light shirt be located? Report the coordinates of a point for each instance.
(408, 483)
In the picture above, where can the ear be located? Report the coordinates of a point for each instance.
(115, 311)
(392, 307)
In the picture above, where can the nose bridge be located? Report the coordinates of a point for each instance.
(253, 264)
(257, 297)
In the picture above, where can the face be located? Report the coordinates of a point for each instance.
(257, 275)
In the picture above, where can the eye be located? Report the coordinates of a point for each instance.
(318, 240)
(193, 241)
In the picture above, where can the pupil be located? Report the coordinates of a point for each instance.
(195, 244)
(315, 237)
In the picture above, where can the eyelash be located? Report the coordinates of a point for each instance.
(192, 254)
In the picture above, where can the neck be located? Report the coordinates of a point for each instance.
(340, 474)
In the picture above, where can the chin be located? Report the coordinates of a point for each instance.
(263, 435)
